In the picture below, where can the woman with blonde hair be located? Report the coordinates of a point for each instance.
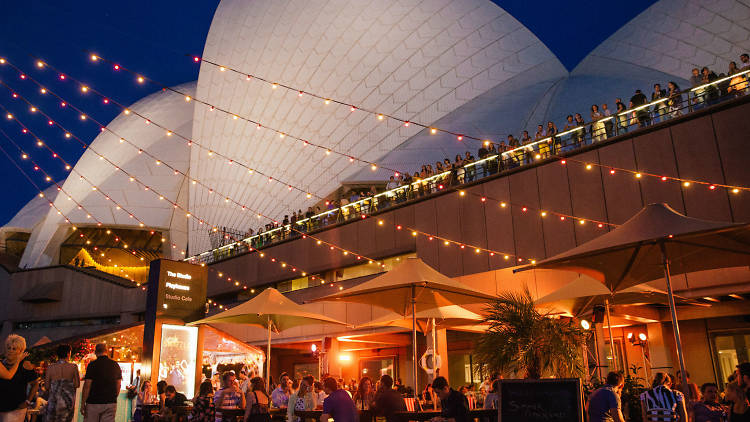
(300, 400)
(16, 392)
(6, 372)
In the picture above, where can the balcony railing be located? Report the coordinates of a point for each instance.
(590, 133)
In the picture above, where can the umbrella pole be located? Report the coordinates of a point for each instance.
(611, 339)
(268, 357)
(434, 350)
(673, 312)
(414, 335)
(598, 359)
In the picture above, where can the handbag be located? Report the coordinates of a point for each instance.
(258, 413)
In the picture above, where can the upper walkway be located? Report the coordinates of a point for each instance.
(552, 144)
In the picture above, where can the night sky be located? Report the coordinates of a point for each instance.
(153, 37)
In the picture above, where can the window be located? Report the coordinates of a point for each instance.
(341, 274)
(376, 367)
(729, 350)
(31, 325)
(621, 363)
(302, 370)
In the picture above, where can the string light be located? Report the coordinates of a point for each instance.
(79, 206)
(291, 137)
(188, 215)
(56, 155)
(542, 213)
(640, 174)
(328, 100)
(117, 239)
(612, 171)
(191, 141)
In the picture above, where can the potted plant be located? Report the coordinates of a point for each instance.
(523, 340)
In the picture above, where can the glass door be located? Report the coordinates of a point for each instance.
(608, 359)
(375, 367)
(729, 350)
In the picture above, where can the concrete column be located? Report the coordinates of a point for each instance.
(330, 360)
(660, 347)
(404, 365)
(442, 351)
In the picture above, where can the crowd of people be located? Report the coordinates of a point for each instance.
(603, 122)
(242, 395)
(577, 131)
(669, 400)
(51, 393)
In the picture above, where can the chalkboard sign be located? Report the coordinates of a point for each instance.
(545, 400)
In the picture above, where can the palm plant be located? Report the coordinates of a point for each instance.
(523, 340)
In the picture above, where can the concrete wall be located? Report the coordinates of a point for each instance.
(83, 296)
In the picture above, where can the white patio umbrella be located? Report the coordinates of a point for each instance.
(444, 317)
(584, 293)
(408, 289)
(272, 310)
(657, 242)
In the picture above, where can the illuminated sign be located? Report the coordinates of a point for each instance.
(177, 358)
(178, 289)
(179, 275)
(175, 286)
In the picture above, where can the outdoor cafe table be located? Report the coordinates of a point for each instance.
(148, 410)
(429, 414)
(237, 413)
(366, 415)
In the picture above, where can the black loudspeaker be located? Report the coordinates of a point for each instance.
(598, 314)
(327, 344)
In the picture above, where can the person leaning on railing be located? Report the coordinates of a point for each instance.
(569, 125)
(579, 135)
(660, 108)
(639, 99)
(674, 103)
(711, 92)
(551, 132)
(513, 156)
(738, 84)
(470, 170)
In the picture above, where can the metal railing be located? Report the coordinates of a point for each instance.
(571, 139)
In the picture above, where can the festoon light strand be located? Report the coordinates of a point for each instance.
(211, 153)
(26, 156)
(259, 125)
(328, 100)
(228, 199)
(134, 179)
